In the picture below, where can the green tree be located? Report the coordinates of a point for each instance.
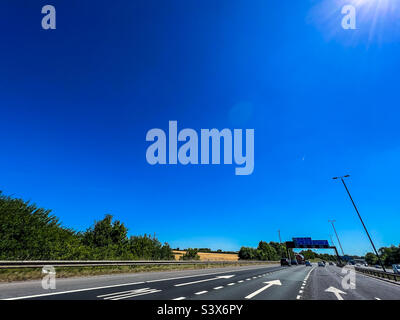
(190, 254)
(371, 258)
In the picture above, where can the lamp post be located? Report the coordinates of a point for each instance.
(337, 237)
(358, 213)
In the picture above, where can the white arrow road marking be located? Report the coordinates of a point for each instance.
(193, 282)
(269, 284)
(336, 292)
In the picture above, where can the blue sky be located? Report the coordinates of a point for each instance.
(77, 102)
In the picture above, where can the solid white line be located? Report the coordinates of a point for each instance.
(217, 288)
(201, 292)
(180, 298)
(72, 291)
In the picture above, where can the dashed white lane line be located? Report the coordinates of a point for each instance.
(201, 292)
(248, 279)
(217, 288)
(231, 284)
(301, 291)
(377, 298)
(240, 281)
(180, 298)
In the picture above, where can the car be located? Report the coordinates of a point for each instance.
(396, 268)
(308, 264)
(294, 262)
(285, 262)
(321, 264)
(331, 263)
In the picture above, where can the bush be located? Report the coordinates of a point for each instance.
(190, 254)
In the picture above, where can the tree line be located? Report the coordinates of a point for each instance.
(28, 232)
(389, 256)
(272, 251)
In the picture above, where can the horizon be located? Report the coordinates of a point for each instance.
(78, 101)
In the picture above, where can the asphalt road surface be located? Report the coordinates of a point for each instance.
(267, 282)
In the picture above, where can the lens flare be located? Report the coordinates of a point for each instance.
(377, 21)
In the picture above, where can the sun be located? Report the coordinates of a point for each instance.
(377, 20)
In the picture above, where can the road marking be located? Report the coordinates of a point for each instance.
(73, 291)
(248, 279)
(377, 298)
(204, 280)
(254, 277)
(201, 292)
(269, 284)
(120, 293)
(180, 298)
(336, 292)
(240, 281)
(134, 293)
(199, 275)
(231, 284)
(124, 284)
(298, 297)
(300, 291)
(302, 288)
(217, 288)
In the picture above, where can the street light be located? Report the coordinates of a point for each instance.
(337, 237)
(358, 213)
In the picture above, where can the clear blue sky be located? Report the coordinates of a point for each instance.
(77, 102)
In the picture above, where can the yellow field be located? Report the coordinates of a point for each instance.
(204, 256)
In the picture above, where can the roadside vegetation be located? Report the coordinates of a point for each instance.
(389, 255)
(28, 232)
(272, 251)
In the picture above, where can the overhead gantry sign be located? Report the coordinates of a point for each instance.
(308, 243)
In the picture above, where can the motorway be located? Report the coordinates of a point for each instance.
(262, 282)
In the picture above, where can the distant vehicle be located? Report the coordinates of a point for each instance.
(294, 262)
(365, 264)
(285, 262)
(299, 258)
(308, 264)
(331, 263)
(324, 262)
(321, 264)
(377, 266)
(396, 268)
